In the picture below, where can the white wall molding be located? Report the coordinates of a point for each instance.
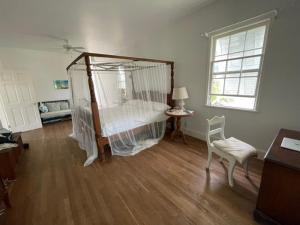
(267, 16)
(195, 133)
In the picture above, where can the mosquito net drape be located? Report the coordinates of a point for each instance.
(83, 129)
(132, 98)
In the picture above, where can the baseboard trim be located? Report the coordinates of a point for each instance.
(201, 136)
(195, 133)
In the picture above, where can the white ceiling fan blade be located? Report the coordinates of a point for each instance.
(56, 38)
(77, 47)
(76, 50)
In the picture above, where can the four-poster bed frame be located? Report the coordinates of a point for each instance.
(100, 140)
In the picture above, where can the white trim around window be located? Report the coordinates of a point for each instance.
(235, 68)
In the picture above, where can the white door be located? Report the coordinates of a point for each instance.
(19, 101)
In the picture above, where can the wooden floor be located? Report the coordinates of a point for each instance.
(166, 184)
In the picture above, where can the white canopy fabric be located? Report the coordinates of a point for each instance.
(132, 99)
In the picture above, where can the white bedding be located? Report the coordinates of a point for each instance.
(133, 114)
(117, 119)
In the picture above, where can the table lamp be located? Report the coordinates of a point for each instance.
(180, 94)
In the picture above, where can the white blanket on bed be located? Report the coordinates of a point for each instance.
(117, 119)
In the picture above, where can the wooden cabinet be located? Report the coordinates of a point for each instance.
(4, 195)
(9, 159)
(279, 195)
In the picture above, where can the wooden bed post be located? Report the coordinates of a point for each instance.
(95, 111)
(172, 102)
(172, 83)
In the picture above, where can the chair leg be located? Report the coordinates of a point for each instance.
(246, 167)
(209, 160)
(230, 172)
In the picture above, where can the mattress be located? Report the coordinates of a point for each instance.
(128, 116)
(122, 118)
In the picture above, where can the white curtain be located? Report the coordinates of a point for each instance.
(132, 98)
(82, 120)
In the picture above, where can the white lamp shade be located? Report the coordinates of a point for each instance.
(180, 93)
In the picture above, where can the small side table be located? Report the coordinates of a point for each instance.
(177, 114)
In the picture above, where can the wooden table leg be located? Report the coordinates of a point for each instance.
(183, 137)
(178, 132)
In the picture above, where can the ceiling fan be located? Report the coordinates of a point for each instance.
(66, 46)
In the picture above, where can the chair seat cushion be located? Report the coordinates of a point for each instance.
(238, 149)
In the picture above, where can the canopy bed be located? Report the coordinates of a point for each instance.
(120, 101)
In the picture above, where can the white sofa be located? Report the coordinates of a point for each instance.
(54, 111)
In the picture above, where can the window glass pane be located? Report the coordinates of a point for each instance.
(251, 63)
(255, 38)
(221, 47)
(234, 65)
(250, 74)
(217, 86)
(235, 55)
(218, 76)
(248, 85)
(221, 57)
(237, 42)
(234, 102)
(232, 75)
(219, 67)
(253, 52)
(231, 86)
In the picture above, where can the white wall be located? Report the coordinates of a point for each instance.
(279, 104)
(42, 66)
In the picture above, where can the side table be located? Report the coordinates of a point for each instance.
(178, 114)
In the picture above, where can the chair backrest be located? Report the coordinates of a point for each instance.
(218, 121)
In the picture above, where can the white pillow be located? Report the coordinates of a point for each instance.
(53, 106)
(158, 106)
(43, 108)
(64, 105)
(134, 102)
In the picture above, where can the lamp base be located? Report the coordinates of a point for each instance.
(181, 104)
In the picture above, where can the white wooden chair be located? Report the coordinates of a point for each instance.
(231, 149)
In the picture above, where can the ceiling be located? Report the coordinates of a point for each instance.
(107, 26)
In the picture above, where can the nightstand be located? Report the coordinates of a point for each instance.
(178, 114)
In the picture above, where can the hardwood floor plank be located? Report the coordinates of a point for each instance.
(164, 185)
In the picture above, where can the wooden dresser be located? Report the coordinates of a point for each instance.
(10, 157)
(279, 195)
(4, 195)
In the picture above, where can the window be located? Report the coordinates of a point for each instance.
(121, 82)
(235, 67)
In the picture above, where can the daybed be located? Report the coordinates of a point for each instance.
(54, 111)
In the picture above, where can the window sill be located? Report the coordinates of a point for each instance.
(231, 108)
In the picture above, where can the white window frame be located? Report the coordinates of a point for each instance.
(231, 31)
